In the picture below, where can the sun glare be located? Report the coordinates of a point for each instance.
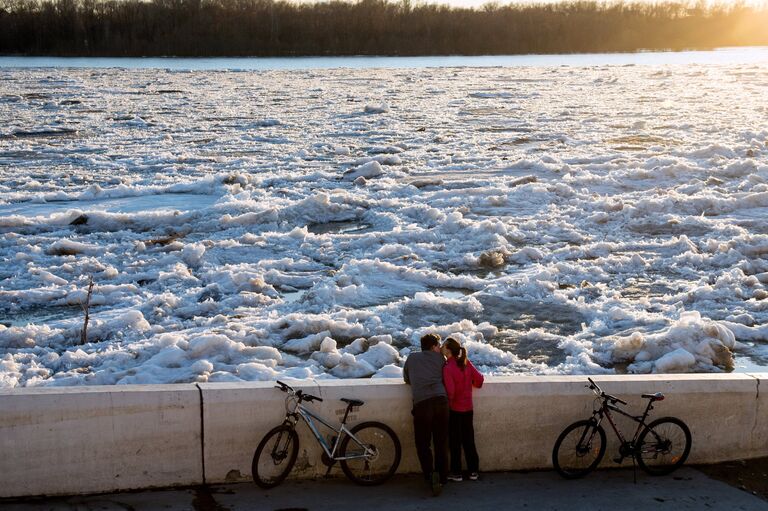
(481, 3)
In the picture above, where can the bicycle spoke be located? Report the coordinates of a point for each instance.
(367, 460)
(663, 446)
(275, 456)
(579, 449)
(373, 454)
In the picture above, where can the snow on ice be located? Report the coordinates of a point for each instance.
(316, 223)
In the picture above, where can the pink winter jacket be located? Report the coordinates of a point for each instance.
(459, 383)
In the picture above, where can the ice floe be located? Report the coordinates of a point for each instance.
(575, 220)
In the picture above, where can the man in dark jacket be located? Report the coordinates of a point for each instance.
(423, 371)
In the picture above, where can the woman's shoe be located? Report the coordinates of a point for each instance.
(474, 476)
(456, 478)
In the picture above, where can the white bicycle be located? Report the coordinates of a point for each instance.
(369, 453)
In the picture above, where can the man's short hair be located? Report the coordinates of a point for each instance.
(429, 340)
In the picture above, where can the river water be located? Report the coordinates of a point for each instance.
(312, 217)
(745, 55)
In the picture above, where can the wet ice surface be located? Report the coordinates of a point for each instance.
(315, 223)
(168, 201)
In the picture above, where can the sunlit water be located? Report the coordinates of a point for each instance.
(746, 55)
(559, 214)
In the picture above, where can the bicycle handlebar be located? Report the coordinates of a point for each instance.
(300, 394)
(282, 386)
(308, 397)
(594, 387)
(597, 390)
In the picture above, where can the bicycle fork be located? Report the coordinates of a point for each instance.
(585, 442)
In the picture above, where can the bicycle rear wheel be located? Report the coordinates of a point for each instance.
(275, 456)
(375, 454)
(579, 449)
(663, 446)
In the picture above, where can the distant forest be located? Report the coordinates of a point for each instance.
(365, 27)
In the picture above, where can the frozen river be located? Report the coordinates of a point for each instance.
(245, 220)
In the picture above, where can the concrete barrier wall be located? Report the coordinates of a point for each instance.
(98, 439)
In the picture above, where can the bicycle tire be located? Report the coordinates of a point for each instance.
(370, 471)
(667, 448)
(574, 461)
(282, 455)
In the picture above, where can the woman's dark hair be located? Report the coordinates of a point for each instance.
(457, 352)
(429, 340)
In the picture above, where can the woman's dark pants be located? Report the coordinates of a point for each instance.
(462, 435)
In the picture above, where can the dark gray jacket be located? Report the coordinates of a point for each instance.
(423, 371)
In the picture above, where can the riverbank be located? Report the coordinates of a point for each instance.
(210, 28)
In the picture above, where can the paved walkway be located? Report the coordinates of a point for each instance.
(608, 490)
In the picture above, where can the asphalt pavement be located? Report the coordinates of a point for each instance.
(609, 490)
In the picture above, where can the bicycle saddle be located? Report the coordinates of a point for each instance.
(654, 397)
(353, 402)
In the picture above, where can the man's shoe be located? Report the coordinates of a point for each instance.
(474, 476)
(437, 488)
(456, 478)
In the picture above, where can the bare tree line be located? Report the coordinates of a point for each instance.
(365, 27)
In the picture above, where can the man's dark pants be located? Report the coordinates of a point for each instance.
(430, 425)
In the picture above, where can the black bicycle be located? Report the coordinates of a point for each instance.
(369, 452)
(659, 447)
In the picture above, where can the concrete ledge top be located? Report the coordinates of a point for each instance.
(96, 389)
(373, 382)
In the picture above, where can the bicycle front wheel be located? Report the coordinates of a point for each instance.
(579, 449)
(663, 446)
(373, 453)
(275, 456)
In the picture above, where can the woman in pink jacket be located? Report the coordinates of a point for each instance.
(459, 376)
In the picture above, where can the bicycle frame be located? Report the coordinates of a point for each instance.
(605, 412)
(309, 418)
